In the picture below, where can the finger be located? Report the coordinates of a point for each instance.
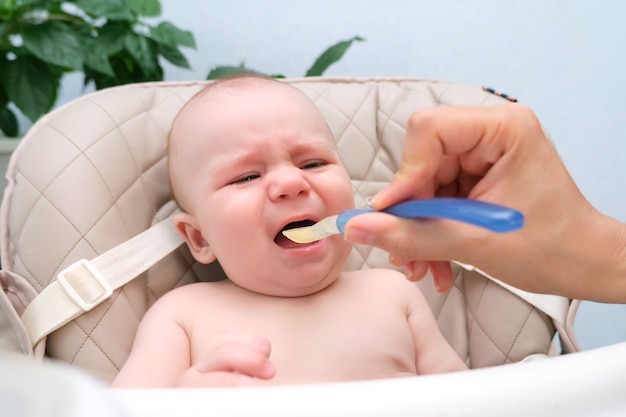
(241, 358)
(216, 379)
(416, 270)
(442, 275)
(396, 261)
(403, 239)
(263, 345)
(228, 379)
(434, 133)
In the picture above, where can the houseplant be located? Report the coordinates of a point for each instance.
(110, 42)
(331, 55)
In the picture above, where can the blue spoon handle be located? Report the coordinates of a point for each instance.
(479, 213)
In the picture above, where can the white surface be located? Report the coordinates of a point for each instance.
(30, 389)
(586, 384)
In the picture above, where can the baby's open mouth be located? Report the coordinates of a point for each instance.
(283, 241)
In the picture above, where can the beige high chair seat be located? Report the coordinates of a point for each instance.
(92, 174)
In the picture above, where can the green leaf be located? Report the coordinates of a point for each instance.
(228, 70)
(95, 56)
(174, 56)
(30, 85)
(93, 50)
(12, 4)
(121, 74)
(4, 99)
(111, 9)
(113, 35)
(330, 56)
(55, 43)
(97, 60)
(126, 70)
(169, 35)
(8, 122)
(147, 8)
(139, 48)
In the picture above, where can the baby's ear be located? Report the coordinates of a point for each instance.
(188, 227)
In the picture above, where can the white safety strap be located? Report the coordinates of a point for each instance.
(85, 284)
(554, 306)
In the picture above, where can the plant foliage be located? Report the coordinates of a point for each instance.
(109, 41)
(331, 55)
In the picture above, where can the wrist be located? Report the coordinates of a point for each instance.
(616, 286)
(597, 255)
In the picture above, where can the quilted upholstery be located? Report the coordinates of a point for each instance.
(92, 174)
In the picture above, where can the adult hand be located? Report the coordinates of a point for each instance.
(498, 154)
(231, 364)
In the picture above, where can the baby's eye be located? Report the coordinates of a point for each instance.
(314, 164)
(246, 178)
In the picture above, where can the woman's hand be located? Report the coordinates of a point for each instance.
(498, 154)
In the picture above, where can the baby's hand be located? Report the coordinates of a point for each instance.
(231, 364)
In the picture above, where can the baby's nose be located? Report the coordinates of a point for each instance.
(288, 183)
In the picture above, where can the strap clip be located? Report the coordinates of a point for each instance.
(84, 284)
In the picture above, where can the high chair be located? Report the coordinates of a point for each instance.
(92, 174)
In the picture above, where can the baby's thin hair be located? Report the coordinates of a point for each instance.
(238, 82)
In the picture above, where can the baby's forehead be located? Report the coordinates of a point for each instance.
(250, 103)
(237, 103)
(260, 92)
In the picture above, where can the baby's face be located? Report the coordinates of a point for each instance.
(266, 160)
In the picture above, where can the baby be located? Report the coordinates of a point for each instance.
(250, 157)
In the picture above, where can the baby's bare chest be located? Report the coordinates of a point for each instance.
(354, 338)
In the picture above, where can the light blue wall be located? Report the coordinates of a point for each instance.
(565, 59)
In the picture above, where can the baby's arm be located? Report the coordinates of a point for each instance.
(161, 350)
(161, 354)
(433, 353)
(231, 364)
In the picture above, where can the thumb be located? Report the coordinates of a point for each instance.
(263, 345)
(410, 239)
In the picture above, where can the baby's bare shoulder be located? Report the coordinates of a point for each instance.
(187, 296)
(387, 287)
(190, 290)
(382, 279)
(373, 276)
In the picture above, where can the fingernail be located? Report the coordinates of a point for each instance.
(375, 201)
(438, 286)
(361, 236)
(408, 272)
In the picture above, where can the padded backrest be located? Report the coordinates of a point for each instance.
(93, 174)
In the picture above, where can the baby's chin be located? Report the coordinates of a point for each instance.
(293, 289)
